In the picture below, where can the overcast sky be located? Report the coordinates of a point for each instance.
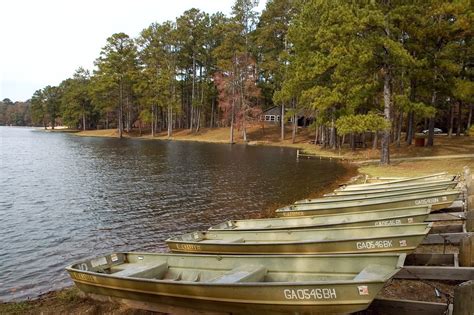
(44, 41)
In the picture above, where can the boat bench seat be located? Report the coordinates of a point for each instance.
(244, 273)
(143, 270)
(226, 241)
(372, 272)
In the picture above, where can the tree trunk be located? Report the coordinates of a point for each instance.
(352, 140)
(376, 139)
(211, 125)
(198, 122)
(129, 116)
(411, 128)
(332, 136)
(316, 135)
(459, 122)
(170, 121)
(399, 130)
(469, 119)
(120, 112)
(430, 141)
(451, 121)
(387, 97)
(232, 113)
(295, 124)
(282, 122)
(152, 120)
(83, 118)
(323, 137)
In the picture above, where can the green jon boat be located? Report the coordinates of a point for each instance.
(446, 184)
(240, 284)
(348, 240)
(330, 199)
(398, 183)
(367, 218)
(375, 180)
(437, 200)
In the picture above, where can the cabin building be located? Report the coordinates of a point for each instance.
(273, 115)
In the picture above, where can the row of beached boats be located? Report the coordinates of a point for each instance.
(326, 255)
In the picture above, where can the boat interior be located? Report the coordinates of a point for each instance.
(308, 221)
(213, 270)
(279, 236)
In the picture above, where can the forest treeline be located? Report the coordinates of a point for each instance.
(354, 67)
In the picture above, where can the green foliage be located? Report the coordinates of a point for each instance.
(361, 123)
(334, 58)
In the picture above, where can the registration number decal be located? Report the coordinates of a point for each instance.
(426, 201)
(374, 244)
(388, 222)
(310, 294)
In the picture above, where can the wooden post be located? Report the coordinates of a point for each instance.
(468, 181)
(464, 298)
(469, 202)
(470, 221)
(466, 251)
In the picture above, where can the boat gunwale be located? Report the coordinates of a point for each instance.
(427, 211)
(424, 233)
(358, 187)
(403, 180)
(372, 202)
(344, 192)
(397, 267)
(340, 198)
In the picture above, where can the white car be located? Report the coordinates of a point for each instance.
(436, 131)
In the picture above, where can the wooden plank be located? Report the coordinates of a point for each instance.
(408, 307)
(436, 273)
(466, 252)
(457, 205)
(444, 238)
(448, 228)
(464, 299)
(450, 216)
(470, 221)
(427, 259)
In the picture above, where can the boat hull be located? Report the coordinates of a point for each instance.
(245, 299)
(368, 218)
(390, 194)
(415, 188)
(437, 202)
(396, 184)
(348, 240)
(342, 286)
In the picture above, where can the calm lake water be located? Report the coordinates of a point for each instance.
(65, 198)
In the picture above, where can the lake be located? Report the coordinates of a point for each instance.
(64, 198)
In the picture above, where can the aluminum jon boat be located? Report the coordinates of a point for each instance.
(446, 184)
(398, 183)
(404, 194)
(348, 240)
(367, 218)
(240, 284)
(375, 180)
(437, 200)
